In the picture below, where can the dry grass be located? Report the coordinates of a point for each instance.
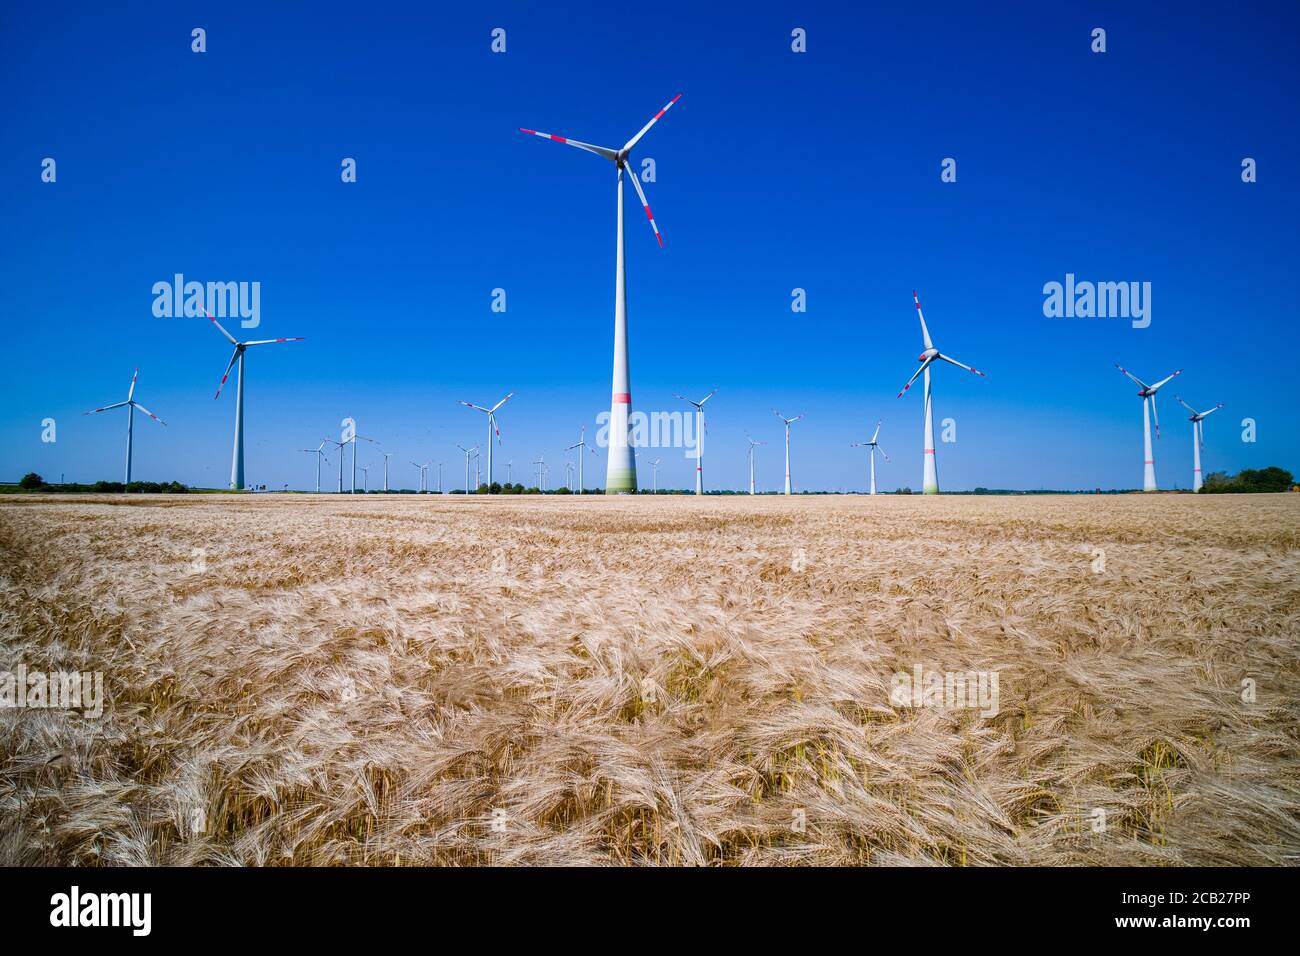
(645, 680)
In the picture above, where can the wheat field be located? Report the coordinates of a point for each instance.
(311, 680)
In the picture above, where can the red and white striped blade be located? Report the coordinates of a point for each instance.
(106, 408)
(924, 366)
(1133, 378)
(952, 361)
(636, 181)
(654, 119)
(225, 375)
(131, 391)
(1164, 381)
(223, 331)
(607, 153)
(296, 338)
(925, 333)
(149, 413)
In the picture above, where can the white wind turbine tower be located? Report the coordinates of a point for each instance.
(492, 428)
(237, 460)
(387, 455)
(353, 442)
(580, 444)
(620, 476)
(872, 446)
(340, 446)
(752, 445)
(930, 475)
(1198, 439)
(365, 478)
(439, 477)
(130, 405)
(423, 471)
(541, 472)
(468, 453)
(699, 438)
(319, 452)
(654, 470)
(568, 473)
(510, 472)
(787, 422)
(1148, 396)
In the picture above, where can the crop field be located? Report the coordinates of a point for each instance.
(301, 679)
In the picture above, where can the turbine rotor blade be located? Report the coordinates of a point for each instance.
(221, 329)
(106, 408)
(1133, 378)
(953, 361)
(609, 154)
(1155, 414)
(925, 333)
(295, 338)
(502, 402)
(131, 391)
(627, 148)
(924, 365)
(1165, 380)
(1212, 410)
(636, 181)
(226, 374)
(1179, 400)
(149, 413)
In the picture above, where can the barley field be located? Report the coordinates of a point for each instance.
(301, 679)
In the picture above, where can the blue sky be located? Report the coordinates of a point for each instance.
(775, 171)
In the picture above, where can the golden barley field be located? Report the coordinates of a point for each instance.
(545, 680)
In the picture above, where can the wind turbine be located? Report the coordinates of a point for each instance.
(319, 452)
(620, 476)
(1198, 438)
(423, 470)
(237, 459)
(510, 472)
(930, 475)
(1148, 396)
(699, 438)
(439, 477)
(872, 446)
(130, 405)
(568, 473)
(353, 442)
(752, 445)
(654, 470)
(340, 445)
(492, 427)
(468, 452)
(387, 455)
(581, 443)
(788, 422)
(541, 472)
(365, 477)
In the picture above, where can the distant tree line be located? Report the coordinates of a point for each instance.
(34, 482)
(1250, 481)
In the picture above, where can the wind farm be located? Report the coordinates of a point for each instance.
(810, 652)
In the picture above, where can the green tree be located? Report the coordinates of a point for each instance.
(31, 480)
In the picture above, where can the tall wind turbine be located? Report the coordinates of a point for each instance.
(423, 471)
(620, 476)
(130, 405)
(930, 475)
(492, 428)
(439, 477)
(387, 455)
(1198, 439)
(468, 452)
(237, 459)
(353, 442)
(580, 444)
(568, 473)
(654, 470)
(752, 445)
(340, 445)
(541, 472)
(365, 478)
(872, 446)
(1148, 396)
(319, 452)
(699, 438)
(787, 422)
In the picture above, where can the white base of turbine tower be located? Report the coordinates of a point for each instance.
(1148, 459)
(930, 477)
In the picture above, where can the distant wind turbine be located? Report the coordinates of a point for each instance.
(1198, 439)
(654, 470)
(237, 458)
(387, 455)
(492, 429)
(620, 477)
(468, 452)
(752, 445)
(787, 422)
(340, 446)
(1148, 395)
(541, 472)
(580, 444)
(423, 471)
(871, 446)
(699, 438)
(319, 452)
(930, 474)
(365, 478)
(130, 405)
(353, 442)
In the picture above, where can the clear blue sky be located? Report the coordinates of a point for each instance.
(776, 170)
